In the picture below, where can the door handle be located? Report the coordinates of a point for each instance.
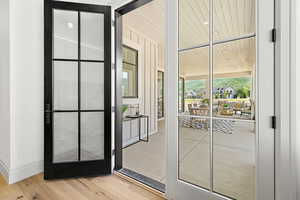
(48, 114)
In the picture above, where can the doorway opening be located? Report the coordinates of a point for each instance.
(214, 105)
(140, 133)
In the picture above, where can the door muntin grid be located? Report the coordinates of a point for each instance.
(205, 28)
(85, 82)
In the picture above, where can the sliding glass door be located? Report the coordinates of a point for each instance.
(224, 146)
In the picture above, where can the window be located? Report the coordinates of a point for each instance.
(160, 95)
(130, 73)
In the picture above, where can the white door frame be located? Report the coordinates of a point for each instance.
(265, 163)
(285, 67)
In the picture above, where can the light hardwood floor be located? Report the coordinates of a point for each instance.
(98, 188)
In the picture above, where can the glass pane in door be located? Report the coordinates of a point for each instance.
(194, 150)
(78, 86)
(233, 18)
(92, 86)
(65, 34)
(234, 162)
(234, 123)
(65, 137)
(65, 85)
(92, 136)
(92, 36)
(194, 66)
(92, 80)
(193, 23)
(234, 79)
(194, 134)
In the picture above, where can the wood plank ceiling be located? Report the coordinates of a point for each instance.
(231, 18)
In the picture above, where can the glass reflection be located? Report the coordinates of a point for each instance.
(193, 23)
(194, 150)
(234, 79)
(233, 18)
(194, 66)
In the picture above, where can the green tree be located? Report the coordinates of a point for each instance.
(243, 92)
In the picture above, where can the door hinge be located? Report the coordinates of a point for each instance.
(274, 35)
(274, 122)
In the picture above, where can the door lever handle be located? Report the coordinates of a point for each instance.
(48, 114)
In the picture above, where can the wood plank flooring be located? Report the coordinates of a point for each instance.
(98, 188)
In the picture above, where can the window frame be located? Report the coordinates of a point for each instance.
(137, 71)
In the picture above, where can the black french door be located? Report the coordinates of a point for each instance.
(77, 90)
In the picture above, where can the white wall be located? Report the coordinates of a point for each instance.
(150, 59)
(26, 87)
(149, 63)
(4, 89)
(22, 95)
(26, 64)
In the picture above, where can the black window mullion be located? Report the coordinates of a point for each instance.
(97, 61)
(76, 60)
(79, 89)
(78, 111)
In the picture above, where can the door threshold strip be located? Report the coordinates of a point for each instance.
(145, 182)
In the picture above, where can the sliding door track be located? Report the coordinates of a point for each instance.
(143, 179)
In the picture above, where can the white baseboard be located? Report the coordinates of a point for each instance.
(4, 171)
(26, 171)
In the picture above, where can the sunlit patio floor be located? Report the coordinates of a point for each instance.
(233, 159)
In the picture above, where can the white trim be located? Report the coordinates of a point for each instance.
(170, 94)
(285, 112)
(295, 85)
(12, 176)
(25, 171)
(4, 171)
